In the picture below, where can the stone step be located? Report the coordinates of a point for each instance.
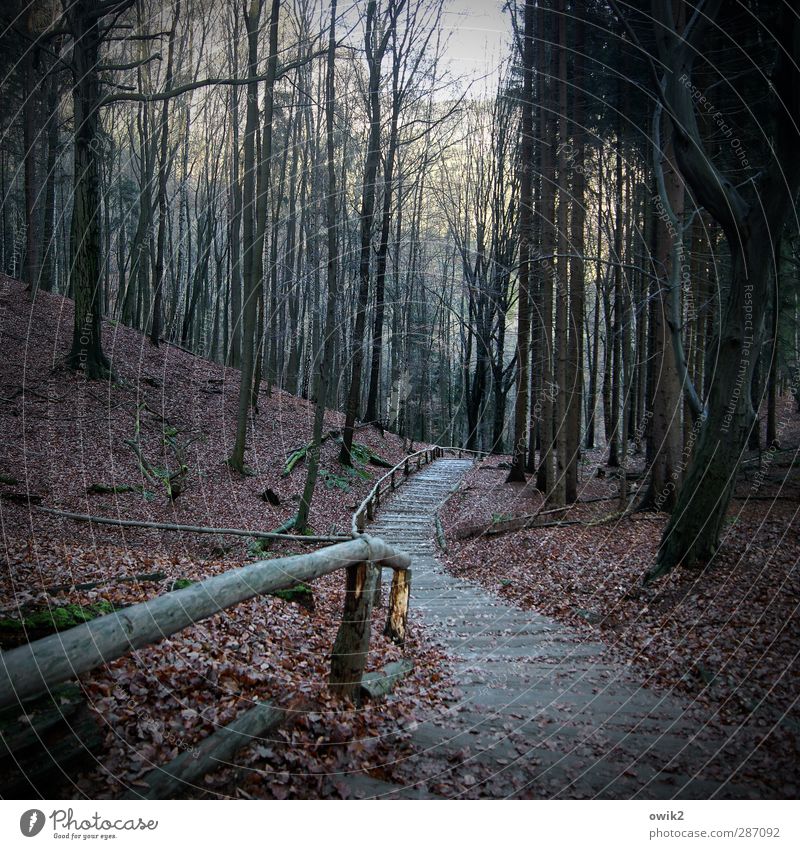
(538, 702)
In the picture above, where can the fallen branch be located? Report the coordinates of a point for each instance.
(374, 685)
(217, 750)
(528, 521)
(111, 489)
(604, 520)
(90, 585)
(298, 454)
(441, 540)
(46, 740)
(26, 498)
(189, 529)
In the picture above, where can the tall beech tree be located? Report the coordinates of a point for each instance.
(519, 453)
(325, 372)
(254, 210)
(84, 22)
(752, 226)
(378, 31)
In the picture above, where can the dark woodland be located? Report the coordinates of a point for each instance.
(377, 428)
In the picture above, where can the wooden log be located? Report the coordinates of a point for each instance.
(190, 529)
(377, 600)
(31, 669)
(216, 750)
(441, 540)
(117, 579)
(375, 685)
(349, 656)
(397, 619)
(45, 740)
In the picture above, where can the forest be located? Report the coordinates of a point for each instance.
(476, 317)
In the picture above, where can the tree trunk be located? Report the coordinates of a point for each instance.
(372, 414)
(558, 493)
(349, 655)
(665, 432)
(692, 533)
(254, 213)
(616, 340)
(577, 295)
(517, 472)
(163, 176)
(544, 474)
(86, 353)
(30, 268)
(591, 406)
(325, 377)
(375, 47)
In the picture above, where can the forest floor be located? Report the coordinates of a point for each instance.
(725, 638)
(61, 435)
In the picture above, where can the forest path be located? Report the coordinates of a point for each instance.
(542, 712)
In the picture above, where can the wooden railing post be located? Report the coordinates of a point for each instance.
(397, 618)
(370, 511)
(406, 468)
(361, 523)
(393, 480)
(349, 656)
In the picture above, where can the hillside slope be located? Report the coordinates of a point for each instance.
(62, 435)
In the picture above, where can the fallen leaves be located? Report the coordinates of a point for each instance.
(162, 700)
(724, 638)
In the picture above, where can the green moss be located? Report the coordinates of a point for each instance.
(182, 583)
(259, 548)
(334, 481)
(58, 618)
(298, 593)
(293, 459)
(364, 454)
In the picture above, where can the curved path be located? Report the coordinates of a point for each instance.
(542, 712)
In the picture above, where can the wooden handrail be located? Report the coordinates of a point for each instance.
(457, 449)
(34, 668)
(357, 522)
(365, 509)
